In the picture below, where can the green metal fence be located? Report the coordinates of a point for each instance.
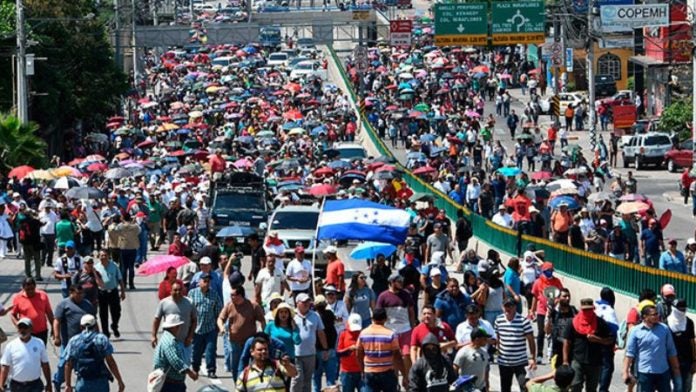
(621, 276)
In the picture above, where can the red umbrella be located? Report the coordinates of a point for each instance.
(201, 155)
(116, 119)
(293, 115)
(386, 168)
(146, 144)
(161, 263)
(113, 125)
(97, 166)
(481, 68)
(665, 218)
(94, 158)
(20, 171)
(294, 87)
(425, 170)
(324, 171)
(541, 175)
(322, 190)
(391, 108)
(177, 153)
(375, 165)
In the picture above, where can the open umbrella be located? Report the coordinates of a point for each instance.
(600, 196)
(572, 204)
(425, 170)
(634, 197)
(40, 175)
(97, 166)
(562, 183)
(65, 171)
(541, 175)
(85, 192)
(20, 171)
(64, 183)
(632, 207)
(234, 231)
(322, 190)
(509, 171)
(157, 264)
(370, 250)
(339, 164)
(117, 173)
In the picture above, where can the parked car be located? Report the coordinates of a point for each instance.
(605, 85)
(680, 156)
(278, 59)
(574, 98)
(623, 97)
(647, 148)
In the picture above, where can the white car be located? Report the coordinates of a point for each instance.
(308, 68)
(574, 98)
(295, 225)
(278, 59)
(350, 151)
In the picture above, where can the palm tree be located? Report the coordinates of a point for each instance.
(20, 144)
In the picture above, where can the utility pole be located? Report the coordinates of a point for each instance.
(133, 42)
(22, 93)
(117, 36)
(590, 74)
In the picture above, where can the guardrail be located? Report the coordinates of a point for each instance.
(622, 276)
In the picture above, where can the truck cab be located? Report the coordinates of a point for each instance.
(239, 199)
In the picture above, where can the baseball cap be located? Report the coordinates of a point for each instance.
(205, 276)
(329, 288)
(691, 241)
(509, 302)
(302, 297)
(205, 260)
(319, 299)
(299, 249)
(24, 321)
(354, 322)
(70, 244)
(547, 265)
(586, 303)
(672, 241)
(668, 289)
(330, 249)
(88, 320)
(479, 333)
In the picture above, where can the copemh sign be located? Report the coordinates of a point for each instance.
(518, 22)
(625, 18)
(461, 24)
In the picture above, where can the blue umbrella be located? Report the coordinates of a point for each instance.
(416, 155)
(427, 137)
(404, 85)
(370, 250)
(290, 125)
(183, 131)
(479, 75)
(340, 165)
(245, 139)
(249, 49)
(317, 130)
(234, 231)
(571, 202)
(509, 171)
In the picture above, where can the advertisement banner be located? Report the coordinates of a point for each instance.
(625, 18)
(624, 116)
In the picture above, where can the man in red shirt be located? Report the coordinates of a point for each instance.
(552, 135)
(34, 305)
(429, 324)
(217, 163)
(177, 247)
(351, 373)
(335, 271)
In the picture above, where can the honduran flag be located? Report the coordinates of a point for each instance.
(356, 219)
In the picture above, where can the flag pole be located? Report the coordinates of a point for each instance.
(316, 246)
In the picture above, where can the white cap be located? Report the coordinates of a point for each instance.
(172, 320)
(302, 297)
(88, 321)
(330, 249)
(691, 241)
(354, 322)
(437, 257)
(205, 260)
(435, 272)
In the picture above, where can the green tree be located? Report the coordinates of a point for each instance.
(676, 116)
(20, 144)
(79, 84)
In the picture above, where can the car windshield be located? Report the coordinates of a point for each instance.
(295, 220)
(657, 140)
(239, 201)
(347, 153)
(304, 66)
(278, 56)
(222, 61)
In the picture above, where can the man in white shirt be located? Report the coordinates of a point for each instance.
(48, 219)
(269, 280)
(23, 361)
(299, 273)
(502, 218)
(473, 321)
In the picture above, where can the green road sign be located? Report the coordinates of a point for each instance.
(518, 22)
(461, 24)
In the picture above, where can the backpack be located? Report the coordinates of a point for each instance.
(622, 333)
(90, 363)
(276, 372)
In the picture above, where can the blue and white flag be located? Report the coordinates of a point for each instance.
(356, 219)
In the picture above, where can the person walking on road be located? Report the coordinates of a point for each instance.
(208, 306)
(24, 360)
(34, 305)
(243, 315)
(682, 328)
(183, 307)
(264, 374)
(432, 372)
(30, 238)
(128, 244)
(67, 265)
(651, 346)
(583, 345)
(90, 354)
(110, 295)
(311, 331)
(170, 357)
(379, 355)
(400, 307)
(513, 331)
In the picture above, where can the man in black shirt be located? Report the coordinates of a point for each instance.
(258, 256)
(557, 321)
(575, 237)
(582, 348)
(537, 225)
(170, 223)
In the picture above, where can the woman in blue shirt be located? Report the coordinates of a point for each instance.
(673, 259)
(283, 328)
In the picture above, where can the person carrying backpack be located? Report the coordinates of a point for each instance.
(90, 355)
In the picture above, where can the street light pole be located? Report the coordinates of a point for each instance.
(590, 74)
(22, 93)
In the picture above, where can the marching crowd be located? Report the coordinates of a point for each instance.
(150, 187)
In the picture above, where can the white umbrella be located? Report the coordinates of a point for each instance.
(405, 76)
(65, 183)
(562, 183)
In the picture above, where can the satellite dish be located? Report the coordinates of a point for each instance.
(551, 293)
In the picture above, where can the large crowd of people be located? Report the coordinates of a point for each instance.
(405, 320)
